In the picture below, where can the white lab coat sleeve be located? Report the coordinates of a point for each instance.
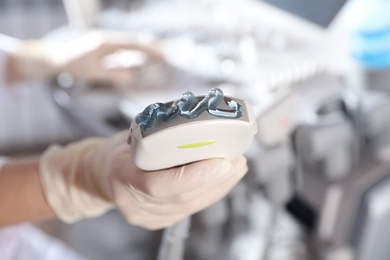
(8, 45)
(25, 241)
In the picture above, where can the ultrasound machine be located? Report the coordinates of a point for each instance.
(322, 147)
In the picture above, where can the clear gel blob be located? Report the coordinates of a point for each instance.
(185, 108)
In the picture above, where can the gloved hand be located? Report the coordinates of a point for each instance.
(88, 178)
(82, 58)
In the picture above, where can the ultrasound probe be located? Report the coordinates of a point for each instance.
(187, 130)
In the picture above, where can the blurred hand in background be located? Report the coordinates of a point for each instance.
(84, 58)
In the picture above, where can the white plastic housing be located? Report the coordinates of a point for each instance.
(225, 138)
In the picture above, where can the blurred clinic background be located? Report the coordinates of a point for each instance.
(318, 76)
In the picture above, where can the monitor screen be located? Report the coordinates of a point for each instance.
(320, 12)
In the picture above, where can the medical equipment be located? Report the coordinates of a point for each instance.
(344, 153)
(191, 129)
(337, 186)
(188, 130)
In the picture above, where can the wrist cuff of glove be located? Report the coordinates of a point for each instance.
(72, 180)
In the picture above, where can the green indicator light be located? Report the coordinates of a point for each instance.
(196, 145)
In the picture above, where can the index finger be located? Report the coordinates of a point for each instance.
(174, 181)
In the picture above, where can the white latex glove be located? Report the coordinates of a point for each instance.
(88, 178)
(83, 58)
